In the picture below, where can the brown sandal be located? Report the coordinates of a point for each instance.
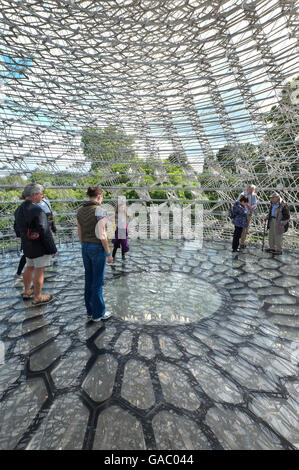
(27, 296)
(46, 300)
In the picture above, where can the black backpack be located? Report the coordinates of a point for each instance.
(286, 215)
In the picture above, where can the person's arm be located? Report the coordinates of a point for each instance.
(79, 232)
(104, 239)
(254, 203)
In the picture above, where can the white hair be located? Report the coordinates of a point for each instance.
(33, 188)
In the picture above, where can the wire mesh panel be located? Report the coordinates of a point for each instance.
(175, 101)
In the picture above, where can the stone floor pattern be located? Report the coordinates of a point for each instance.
(201, 353)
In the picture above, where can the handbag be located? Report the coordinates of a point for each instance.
(32, 234)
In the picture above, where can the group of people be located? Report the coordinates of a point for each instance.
(45, 205)
(34, 224)
(277, 220)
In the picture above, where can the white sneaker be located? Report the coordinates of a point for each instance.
(18, 277)
(107, 315)
(96, 319)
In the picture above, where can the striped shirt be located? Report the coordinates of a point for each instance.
(88, 220)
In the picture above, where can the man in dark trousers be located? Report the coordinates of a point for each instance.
(37, 242)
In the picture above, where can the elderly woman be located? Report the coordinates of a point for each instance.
(240, 221)
(95, 251)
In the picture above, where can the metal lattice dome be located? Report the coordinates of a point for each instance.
(161, 101)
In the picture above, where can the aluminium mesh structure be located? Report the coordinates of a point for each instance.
(159, 100)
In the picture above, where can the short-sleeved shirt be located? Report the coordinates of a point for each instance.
(100, 213)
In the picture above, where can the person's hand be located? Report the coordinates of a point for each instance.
(54, 254)
(265, 220)
(110, 259)
(250, 207)
(281, 227)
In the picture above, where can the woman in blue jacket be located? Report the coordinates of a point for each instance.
(240, 220)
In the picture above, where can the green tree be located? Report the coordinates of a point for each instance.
(283, 135)
(179, 159)
(227, 156)
(233, 158)
(107, 145)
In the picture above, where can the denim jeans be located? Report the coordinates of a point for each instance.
(94, 260)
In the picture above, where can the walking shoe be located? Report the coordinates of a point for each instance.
(236, 251)
(242, 246)
(106, 315)
(96, 319)
(277, 252)
(269, 250)
(18, 277)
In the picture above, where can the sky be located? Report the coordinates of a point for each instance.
(38, 127)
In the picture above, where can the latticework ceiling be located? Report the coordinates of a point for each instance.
(191, 81)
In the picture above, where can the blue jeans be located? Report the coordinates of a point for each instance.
(94, 260)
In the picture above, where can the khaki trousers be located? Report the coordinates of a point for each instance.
(245, 230)
(275, 238)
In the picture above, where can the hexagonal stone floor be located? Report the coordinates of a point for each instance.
(201, 353)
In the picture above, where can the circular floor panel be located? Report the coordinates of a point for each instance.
(163, 298)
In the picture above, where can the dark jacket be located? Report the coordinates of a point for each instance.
(282, 216)
(240, 215)
(31, 215)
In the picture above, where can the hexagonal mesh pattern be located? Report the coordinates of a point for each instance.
(180, 100)
(226, 380)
